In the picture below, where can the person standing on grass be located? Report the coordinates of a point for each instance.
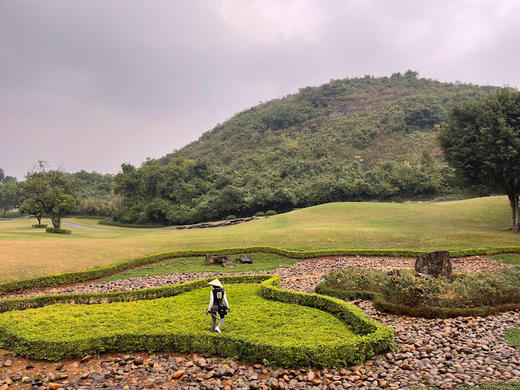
(217, 304)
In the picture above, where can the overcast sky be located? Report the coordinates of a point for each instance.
(88, 84)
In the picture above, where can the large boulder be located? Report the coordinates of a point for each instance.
(434, 264)
(244, 259)
(220, 259)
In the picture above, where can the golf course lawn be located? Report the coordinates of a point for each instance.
(473, 223)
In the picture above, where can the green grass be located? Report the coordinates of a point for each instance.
(252, 318)
(512, 337)
(261, 262)
(493, 386)
(511, 258)
(255, 329)
(27, 252)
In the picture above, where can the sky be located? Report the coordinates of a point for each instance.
(94, 84)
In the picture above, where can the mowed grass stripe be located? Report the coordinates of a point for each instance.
(475, 223)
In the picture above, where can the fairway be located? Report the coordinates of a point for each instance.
(474, 223)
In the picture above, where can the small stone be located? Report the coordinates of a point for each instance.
(178, 374)
(8, 363)
(54, 386)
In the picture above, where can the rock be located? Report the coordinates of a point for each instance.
(8, 363)
(4, 387)
(244, 259)
(436, 264)
(86, 358)
(178, 374)
(310, 376)
(220, 259)
(54, 386)
(227, 264)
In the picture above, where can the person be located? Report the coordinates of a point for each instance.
(217, 304)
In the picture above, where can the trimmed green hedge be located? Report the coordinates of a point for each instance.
(373, 337)
(58, 230)
(103, 272)
(382, 304)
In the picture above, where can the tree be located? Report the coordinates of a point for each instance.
(482, 142)
(48, 192)
(9, 194)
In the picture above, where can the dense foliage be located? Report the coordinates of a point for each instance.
(47, 193)
(347, 140)
(482, 142)
(466, 291)
(9, 192)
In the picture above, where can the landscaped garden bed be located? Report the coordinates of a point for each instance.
(404, 293)
(267, 323)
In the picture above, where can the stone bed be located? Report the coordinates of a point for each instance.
(432, 353)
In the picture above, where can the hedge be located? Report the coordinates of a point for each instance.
(58, 230)
(373, 337)
(382, 304)
(103, 272)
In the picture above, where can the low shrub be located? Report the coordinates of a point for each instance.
(305, 339)
(472, 294)
(57, 230)
(259, 214)
(270, 212)
(230, 217)
(42, 226)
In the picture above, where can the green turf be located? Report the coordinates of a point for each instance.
(473, 223)
(492, 386)
(252, 318)
(511, 258)
(512, 336)
(261, 262)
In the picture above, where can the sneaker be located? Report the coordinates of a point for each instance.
(217, 329)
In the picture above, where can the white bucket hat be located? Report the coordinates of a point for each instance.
(216, 283)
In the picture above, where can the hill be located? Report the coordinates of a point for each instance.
(348, 140)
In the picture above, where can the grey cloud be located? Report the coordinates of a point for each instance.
(92, 84)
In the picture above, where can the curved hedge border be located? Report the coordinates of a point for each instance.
(102, 272)
(382, 304)
(373, 337)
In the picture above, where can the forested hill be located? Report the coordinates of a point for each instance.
(368, 120)
(351, 139)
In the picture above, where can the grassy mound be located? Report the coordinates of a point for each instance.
(286, 329)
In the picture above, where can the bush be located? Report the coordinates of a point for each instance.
(230, 217)
(259, 214)
(57, 230)
(41, 226)
(18, 333)
(477, 294)
(270, 212)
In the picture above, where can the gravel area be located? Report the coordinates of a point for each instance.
(442, 353)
